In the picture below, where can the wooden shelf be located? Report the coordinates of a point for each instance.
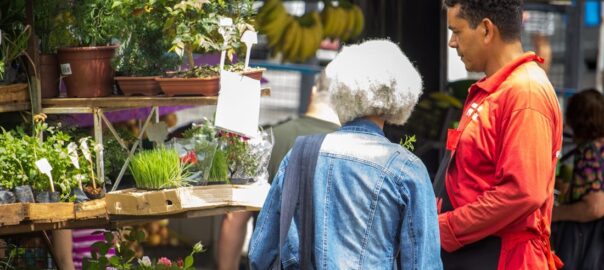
(14, 107)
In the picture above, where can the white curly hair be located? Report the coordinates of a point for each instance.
(373, 78)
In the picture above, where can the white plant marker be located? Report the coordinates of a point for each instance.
(249, 38)
(72, 152)
(45, 168)
(225, 30)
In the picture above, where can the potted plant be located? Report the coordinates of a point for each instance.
(13, 43)
(142, 55)
(87, 66)
(50, 18)
(158, 169)
(193, 26)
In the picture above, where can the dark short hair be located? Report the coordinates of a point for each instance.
(585, 115)
(505, 14)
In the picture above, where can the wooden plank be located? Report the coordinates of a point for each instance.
(11, 214)
(91, 209)
(43, 212)
(130, 102)
(134, 202)
(31, 226)
(14, 107)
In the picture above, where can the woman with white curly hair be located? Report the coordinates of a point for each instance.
(372, 200)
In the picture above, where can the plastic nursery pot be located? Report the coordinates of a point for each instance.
(92, 193)
(48, 197)
(79, 194)
(7, 197)
(24, 194)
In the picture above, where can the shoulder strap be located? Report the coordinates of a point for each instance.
(299, 176)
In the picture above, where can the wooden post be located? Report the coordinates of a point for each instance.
(32, 51)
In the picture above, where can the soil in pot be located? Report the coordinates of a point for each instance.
(49, 75)
(7, 197)
(48, 197)
(24, 194)
(93, 193)
(146, 86)
(88, 70)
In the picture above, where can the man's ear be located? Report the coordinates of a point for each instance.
(489, 30)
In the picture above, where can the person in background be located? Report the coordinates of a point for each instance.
(373, 200)
(497, 198)
(319, 118)
(584, 199)
(540, 26)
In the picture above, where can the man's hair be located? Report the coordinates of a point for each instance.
(505, 14)
(585, 115)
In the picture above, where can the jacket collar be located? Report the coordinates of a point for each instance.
(362, 125)
(490, 84)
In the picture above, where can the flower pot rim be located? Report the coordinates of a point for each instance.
(134, 78)
(246, 72)
(88, 48)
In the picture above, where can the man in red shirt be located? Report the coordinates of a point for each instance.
(496, 194)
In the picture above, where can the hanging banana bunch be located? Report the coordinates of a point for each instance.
(344, 22)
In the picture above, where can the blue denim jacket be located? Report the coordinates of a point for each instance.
(373, 200)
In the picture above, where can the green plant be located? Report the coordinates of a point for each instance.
(158, 168)
(125, 257)
(94, 22)
(13, 43)
(192, 25)
(143, 48)
(48, 15)
(408, 142)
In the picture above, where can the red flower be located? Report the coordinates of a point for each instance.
(189, 158)
(180, 263)
(164, 261)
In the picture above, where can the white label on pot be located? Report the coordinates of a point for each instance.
(66, 69)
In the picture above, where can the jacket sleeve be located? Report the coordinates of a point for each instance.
(419, 246)
(264, 244)
(524, 181)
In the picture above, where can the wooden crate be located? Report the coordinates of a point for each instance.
(11, 214)
(91, 209)
(44, 212)
(14, 93)
(171, 201)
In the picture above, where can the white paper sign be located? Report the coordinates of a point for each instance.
(72, 152)
(238, 107)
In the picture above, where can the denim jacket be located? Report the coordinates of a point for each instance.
(373, 200)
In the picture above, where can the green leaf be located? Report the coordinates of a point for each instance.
(109, 237)
(115, 261)
(188, 262)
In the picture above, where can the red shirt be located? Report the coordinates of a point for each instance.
(501, 178)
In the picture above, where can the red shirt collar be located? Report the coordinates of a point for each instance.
(490, 84)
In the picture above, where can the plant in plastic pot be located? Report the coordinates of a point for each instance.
(142, 55)
(87, 68)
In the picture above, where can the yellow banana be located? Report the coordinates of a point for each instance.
(303, 49)
(327, 19)
(289, 36)
(292, 51)
(274, 29)
(359, 22)
(342, 20)
(266, 8)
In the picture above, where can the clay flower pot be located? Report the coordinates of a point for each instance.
(208, 86)
(49, 75)
(88, 70)
(146, 86)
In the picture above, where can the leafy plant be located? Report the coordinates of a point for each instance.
(95, 22)
(125, 257)
(143, 50)
(408, 142)
(12, 45)
(49, 15)
(158, 168)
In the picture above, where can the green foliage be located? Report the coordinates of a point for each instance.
(125, 257)
(13, 43)
(19, 151)
(49, 15)
(143, 49)
(95, 22)
(408, 143)
(158, 168)
(219, 172)
(114, 154)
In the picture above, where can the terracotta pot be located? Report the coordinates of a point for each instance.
(91, 71)
(209, 86)
(49, 75)
(146, 86)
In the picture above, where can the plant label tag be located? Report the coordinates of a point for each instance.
(157, 133)
(44, 166)
(249, 38)
(238, 108)
(85, 150)
(66, 69)
(72, 152)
